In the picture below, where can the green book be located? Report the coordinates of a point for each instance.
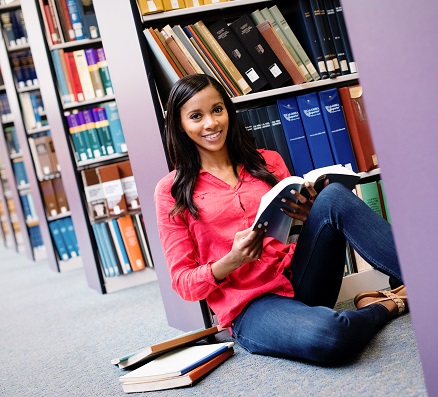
(370, 195)
(104, 72)
(384, 200)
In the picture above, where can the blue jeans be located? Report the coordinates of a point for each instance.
(306, 327)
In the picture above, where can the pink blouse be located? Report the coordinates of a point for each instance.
(191, 246)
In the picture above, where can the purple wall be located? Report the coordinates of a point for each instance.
(395, 45)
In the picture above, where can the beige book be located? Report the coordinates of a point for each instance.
(84, 74)
(222, 57)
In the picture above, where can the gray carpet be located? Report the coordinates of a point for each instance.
(58, 337)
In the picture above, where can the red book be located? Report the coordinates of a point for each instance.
(64, 17)
(73, 76)
(54, 37)
(358, 127)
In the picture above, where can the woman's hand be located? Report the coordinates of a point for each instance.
(247, 247)
(301, 209)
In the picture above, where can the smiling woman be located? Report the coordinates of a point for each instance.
(277, 299)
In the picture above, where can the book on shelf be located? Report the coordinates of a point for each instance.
(148, 353)
(78, 137)
(72, 76)
(358, 127)
(150, 6)
(86, 125)
(142, 237)
(52, 22)
(60, 195)
(19, 172)
(93, 69)
(222, 74)
(66, 95)
(65, 21)
(276, 222)
(344, 35)
(315, 130)
(112, 246)
(131, 243)
(295, 135)
(119, 246)
(173, 52)
(279, 49)
(60, 245)
(84, 74)
(265, 15)
(69, 223)
(41, 154)
(325, 39)
(76, 21)
(260, 51)
(279, 137)
(101, 124)
(290, 36)
(88, 18)
(265, 128)
(371, 196)
(336, 125)
(185, 379)
(170, 5)
(332, 21)
(222, 57)
(104, 72)
(384, 200)
(67, 235)
(115, 126)
(128, 185)
(49, 197)
(109, 178)
(304, 28)
(183, 55)
(243, 118)
(238, 54)
(108, 260)
(256, 128)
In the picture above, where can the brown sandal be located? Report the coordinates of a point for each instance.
(382, 296)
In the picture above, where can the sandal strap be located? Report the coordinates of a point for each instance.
(396, 299)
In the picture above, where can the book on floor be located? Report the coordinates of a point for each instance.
(176, 362)
(276, 222)
(149, 352)
(186, 379)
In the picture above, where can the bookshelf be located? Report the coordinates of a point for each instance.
(139, 104)
(58, 109)
(30, 127)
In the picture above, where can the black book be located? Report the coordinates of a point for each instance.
(278, 134)
(325, 39)
(242, 116)
(304, 28)
(344, 36)
(239, 55)
(256, 123)
(265, 126)
(261, 52)
(336, 35)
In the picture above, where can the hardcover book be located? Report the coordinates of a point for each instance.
(358, 127)
(239, 55)
(61, 198)
(260, 51)
(131, 242)
(336, 125)
(275, 221)
(109, 177)
(128, 185)
(315, 130)
(152, 351)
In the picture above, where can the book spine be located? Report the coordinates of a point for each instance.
(107, 268)
(295, 135)
(97, 207)
(58, 240)
(86, 121)
(112, 189)
(78, 138)
(260, 51)
(104, 72)
(112, 115)
(131, 243)
(49, 197)
(120, 246)
(76, 20)
(62, 83)
(61, 198)
(64, 16)
(84, 74)
(256, 128)
(265, 127)
(315, 130)
(88, 16)
(52, 33)
(78, 93)
(290, 36)
(93, 69)
(239, 55)
(336, 125)
(102, 126)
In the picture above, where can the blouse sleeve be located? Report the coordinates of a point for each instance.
(191, 280)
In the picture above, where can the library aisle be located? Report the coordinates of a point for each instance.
(59, 336)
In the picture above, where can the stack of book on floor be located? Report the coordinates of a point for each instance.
(173, 363)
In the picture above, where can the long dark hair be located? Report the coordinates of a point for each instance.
(184, 155)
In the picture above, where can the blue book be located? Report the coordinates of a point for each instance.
(19, 172)
(295, 135)
(265, 124)
(120, 246)
(26, 206)
(67, 237)
(107, 270)
(279, 137)
(59, 241)
(88, 17)
(256, 128)
(60, 77)
(76, 19)
(72, 233)
(36, 238)
(337, 131)
(314, 127)
(112, 260)
(115, 126)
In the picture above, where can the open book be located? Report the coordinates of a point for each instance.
(277, 223)
(150, 352)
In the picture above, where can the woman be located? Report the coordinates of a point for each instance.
(276, 299)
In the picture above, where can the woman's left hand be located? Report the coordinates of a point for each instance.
(301, 209)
